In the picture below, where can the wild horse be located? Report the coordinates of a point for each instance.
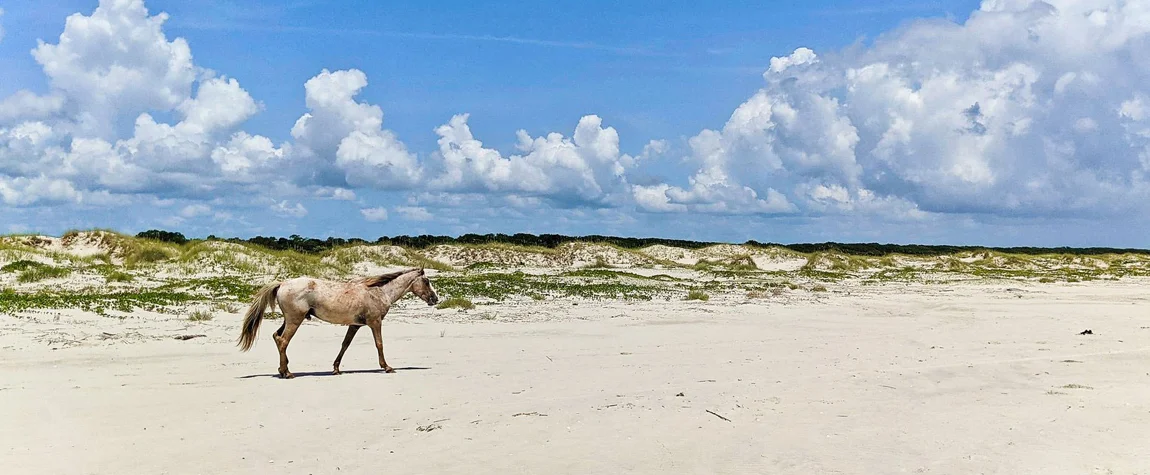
(355, 303)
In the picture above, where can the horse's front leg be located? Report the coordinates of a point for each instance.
(376, 325)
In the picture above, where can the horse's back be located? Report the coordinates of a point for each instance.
(313, 286)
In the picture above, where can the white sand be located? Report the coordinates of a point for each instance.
(896, 379)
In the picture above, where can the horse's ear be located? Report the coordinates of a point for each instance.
(420, 271)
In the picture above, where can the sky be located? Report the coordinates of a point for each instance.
(1001, 122)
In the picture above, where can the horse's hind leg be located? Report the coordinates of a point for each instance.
(351, 329)
(290, 325)
(377, 331)
(276, 335)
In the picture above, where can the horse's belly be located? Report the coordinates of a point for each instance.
(337, 318)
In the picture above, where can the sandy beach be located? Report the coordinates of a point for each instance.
(895, 378)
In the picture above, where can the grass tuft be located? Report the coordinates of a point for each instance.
(42, 272)
(226, 307)
(20, 266)
(698, 295)
(200, 316)
(117, 276)
(456, 302)
(142, 253)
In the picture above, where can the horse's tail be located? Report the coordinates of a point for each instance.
(266, 297)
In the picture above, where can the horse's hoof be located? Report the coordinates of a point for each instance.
(336, 372)
(388, 369)
(287, 375)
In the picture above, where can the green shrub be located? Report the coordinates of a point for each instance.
(456, 302)
(147, 254)
(698, 295)
(117, 276)
(20, 266)
(704, 264)
(42, 272)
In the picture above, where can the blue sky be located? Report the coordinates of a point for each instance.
(658, 69)
(774, 121)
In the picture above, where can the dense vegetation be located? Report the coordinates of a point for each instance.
(314, 246)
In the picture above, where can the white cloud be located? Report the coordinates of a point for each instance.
(22, 191)
(335, 193)
(282, 208)
(220, 104)
(414, 213)
(25, 105)
(1134, 108)
(196, 210)
(117, 62)
(1012, 112)
(653, 149)
(110, 72)
(351, 132)
(655, 198)
(374, 214)
(800, 57)
(587, 167)
(249, 158)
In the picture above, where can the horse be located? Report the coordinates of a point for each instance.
(355, 303)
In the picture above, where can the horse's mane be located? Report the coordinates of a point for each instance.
(383, 279)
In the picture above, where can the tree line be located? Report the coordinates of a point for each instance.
(307, 245)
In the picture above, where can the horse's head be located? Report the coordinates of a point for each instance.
(421, 287)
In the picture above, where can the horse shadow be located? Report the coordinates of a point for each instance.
(329, 373)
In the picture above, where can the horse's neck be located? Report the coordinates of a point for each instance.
(395, 289)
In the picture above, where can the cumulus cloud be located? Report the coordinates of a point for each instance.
(414, 213)
(335, 193)
(800, 57)
(283, 208)
(585, 168)
(337, 125)
(192, 211)
(1027, 107)
(112, 73)
(23, 191)
(374, 214)
(117, 62)
(95, 130)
